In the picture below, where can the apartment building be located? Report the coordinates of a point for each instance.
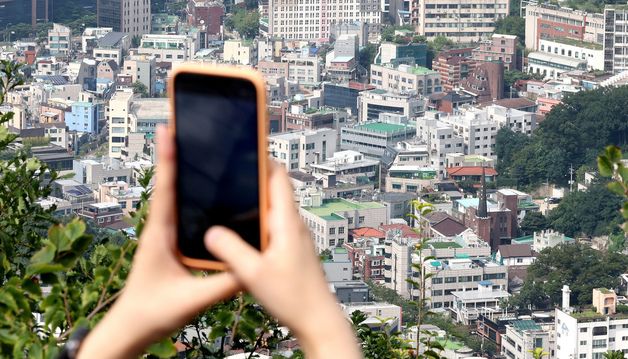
(119, 192)
(499, 48)
(524, 335)
(460, 21)
(208, 13)
(372, 138)
(462, 274)
(93, 173)
(374, 102)
(405, 79)
(298, 150)
(83, 117)
(441, 140)
(304, 69)
(104, 214)
(589, 333)
(469, 304)
(169, 48)
(330, 220)
(59, 40)
(616, 38)
(133, 17)
(90, 36)
(590, 52)
(412, 53)
(409, 178)
(118, 121)
(346, 167)
(142, 69)
(548, 21)
(311, 20)
(241, 52)
(453, 66)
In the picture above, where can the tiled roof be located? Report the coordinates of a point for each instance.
(406, 231)
(449, 227)
(471, 171)
(515, 250)
(367, 232)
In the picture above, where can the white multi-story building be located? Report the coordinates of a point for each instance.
(297, 150)
(241, 52)
(118, 120)
(461, 274)
(302, 68)
(405, 79)
(441, 140)
(460, 21)
(524, 335)
(169, 48)
(375, 102)
(616, 38)
(592, 332)
(329, 221)
(59, 40)
(469, 304)
(312, 19)
(590, 52)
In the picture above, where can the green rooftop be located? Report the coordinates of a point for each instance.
(420, 70)
(579, 43)
(441, 245)
(381, 127)
(331, 209)
(450, 344)
(527, 324)
(523, 240)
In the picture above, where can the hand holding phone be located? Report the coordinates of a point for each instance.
(220, 134)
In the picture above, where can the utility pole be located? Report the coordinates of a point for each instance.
(570, 178)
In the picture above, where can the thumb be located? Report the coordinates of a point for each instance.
(241, 258)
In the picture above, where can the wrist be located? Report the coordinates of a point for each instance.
(115, 336)
(329, 337)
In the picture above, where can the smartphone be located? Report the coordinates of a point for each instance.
(220, 135)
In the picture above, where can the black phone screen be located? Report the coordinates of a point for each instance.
(217, 159)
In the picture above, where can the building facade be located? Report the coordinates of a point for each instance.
(297, 150)
(59, 40)
(405, 79)
(462, 22)
(313, 20)
(133, 17)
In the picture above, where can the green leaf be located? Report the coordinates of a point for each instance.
(45, 255)
(7, 337)
(75, 229)
(616, 188)
(7, 299)
(605, 166)
(623, 173)
(36, 351)
(613, 153)
(33, 164)
(58, 237)
(163, 349)
(31, 287)
(40, 268)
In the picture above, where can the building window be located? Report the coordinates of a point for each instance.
(450, 279)
(361, 219)
(332, 230)
(341, 230)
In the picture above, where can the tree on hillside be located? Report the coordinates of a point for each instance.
(507, 144)
(246, 23)
(367, 55)
(572, 134)
(576, 265)
(593, 212)
(512, 25)
(533, 222)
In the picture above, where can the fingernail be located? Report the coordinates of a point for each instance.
(212, 234)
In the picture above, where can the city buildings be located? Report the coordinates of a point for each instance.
(132, 17)
(590, 332)
(298, 150)
(207, 13)
(329, 221)
(499, 48)
(374, 102)
(343, 96)
(462, 22)
(118, 120)
(169, 48)
(345, 167)
(83, 117)
(548, 21)
(522, 336)
(405, 79)
(302, 68)
(59, 40)
(372, 138)
(453, 66)
(615, 38)
(412, 54)
(241, 52)
(313, 21)
(486, 298)
(141, 68)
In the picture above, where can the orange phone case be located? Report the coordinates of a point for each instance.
(257, 80)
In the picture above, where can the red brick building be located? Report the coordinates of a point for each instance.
(211, 12)
(366, 253)
(453, 66)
